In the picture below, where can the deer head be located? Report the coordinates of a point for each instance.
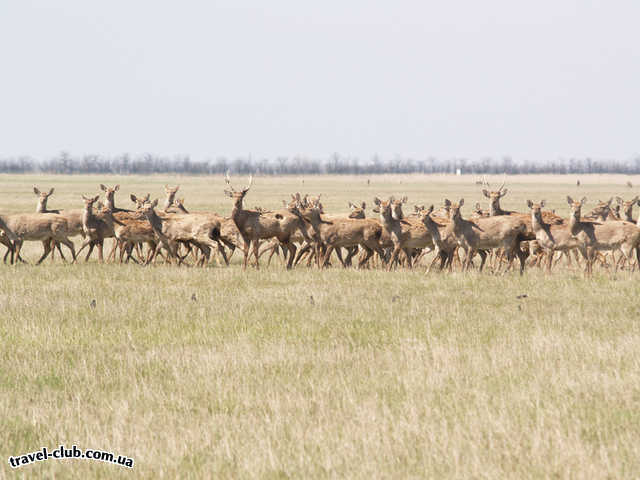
(109, 193)
(42, 198)
(89, 201)
(536, 209)
(602, 209)
(576, 207)
(237, 196)
(147, 209)
(627, 207)
(139, 201)
(494, 195)
(357, 211)
(396, 208)
(454, 209)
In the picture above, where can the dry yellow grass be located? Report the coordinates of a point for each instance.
(307, 374)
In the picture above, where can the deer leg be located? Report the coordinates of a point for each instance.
(256, 251)
(394, 257)
(15, 253)
(47, 249)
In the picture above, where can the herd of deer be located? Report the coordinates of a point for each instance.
(301, 229)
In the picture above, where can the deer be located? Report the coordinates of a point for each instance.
(603, 235)
(405, 235)
(6, 238)
(444, 240)
(179, 209)
(135, 231)
(41, 207)
(336, 233)
(96, 227)
(38, 227)
(255, 226)
(552, 238)
(486, 233)
(171, 195)
(627, 208)
(201, 230)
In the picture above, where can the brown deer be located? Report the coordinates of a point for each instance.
(255, 226)
(406, 235)
(200, 229)
(336, 233)
(551, 237)
(602, 236)
(41, 228)
(171, 195)
(109, 195)
(627, 208)
(97, 227)
(443, 238)
(487, 233)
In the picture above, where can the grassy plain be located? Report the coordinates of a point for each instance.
(203, 373)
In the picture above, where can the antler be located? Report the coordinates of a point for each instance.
(504, 180)
(228, 180)
(485, 183)
(250, 183)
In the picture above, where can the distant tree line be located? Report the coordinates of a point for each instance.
(125, 164)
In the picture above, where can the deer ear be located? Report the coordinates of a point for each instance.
(461, 202)
(610, 200)
(430, 209)
(351, 206)
(177, 188)
(116, 188)
(36, 191)
(486, 193)
(569, 200)
(96, 198)
(154, 204)
(51, 192)
(133, 198)
(376, 200)
(529, 204)
(103, 188)
(504, 192)
(447, 202)
(404, 199)
(146, 197)
(364, 205)
(542, 203)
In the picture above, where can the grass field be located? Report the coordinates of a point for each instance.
(220, 373)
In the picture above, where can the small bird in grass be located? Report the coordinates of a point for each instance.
(193, 297)
(93, 303)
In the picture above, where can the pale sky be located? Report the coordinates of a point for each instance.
(534, 80)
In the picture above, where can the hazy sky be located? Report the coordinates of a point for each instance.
(535, 80)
